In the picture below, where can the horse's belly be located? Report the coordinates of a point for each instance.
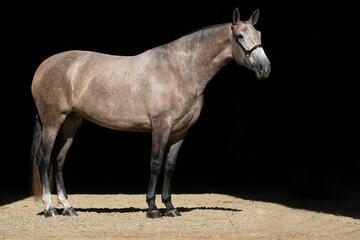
(111, 99)
(117, 109)
(122, 121)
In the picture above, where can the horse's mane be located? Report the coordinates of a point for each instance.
(204, 28)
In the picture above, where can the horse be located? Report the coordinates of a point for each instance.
(158, 91)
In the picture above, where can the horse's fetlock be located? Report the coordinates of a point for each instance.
(166, 198)
(150, 199)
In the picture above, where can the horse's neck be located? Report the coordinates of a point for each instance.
(204, 53)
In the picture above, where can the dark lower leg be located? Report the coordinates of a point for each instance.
(62, 145)
(166, 193)
(59, 180)
(62, 196)
(160, 135)
(60, 187)
(43, 163)
(155, 165)
(171, 211)
(169, 171)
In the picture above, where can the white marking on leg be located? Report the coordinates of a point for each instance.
(64, 201)
(46, 198)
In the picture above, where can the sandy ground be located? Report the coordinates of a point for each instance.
(204, 216)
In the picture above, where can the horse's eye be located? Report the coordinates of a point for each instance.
(240, 36)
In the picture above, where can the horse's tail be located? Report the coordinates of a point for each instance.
(36, 184)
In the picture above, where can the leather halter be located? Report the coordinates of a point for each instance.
(247, 52)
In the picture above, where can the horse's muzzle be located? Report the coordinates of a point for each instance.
(262, 69)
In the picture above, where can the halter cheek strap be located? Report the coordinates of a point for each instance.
(247, 52)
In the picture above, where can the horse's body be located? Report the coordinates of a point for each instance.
(160, 91)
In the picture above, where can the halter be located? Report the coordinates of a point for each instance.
(247, 52)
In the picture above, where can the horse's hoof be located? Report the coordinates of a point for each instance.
(51, 212)
(70, 212)
(153, 214)
(172, 213)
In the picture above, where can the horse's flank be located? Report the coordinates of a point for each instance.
(126, 92)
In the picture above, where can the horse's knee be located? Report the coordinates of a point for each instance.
(170, 168)
(156, 166)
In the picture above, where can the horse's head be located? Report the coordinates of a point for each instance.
(247, 49)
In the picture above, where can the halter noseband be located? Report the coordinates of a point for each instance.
(247, 52)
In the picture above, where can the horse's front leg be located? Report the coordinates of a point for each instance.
(174, 146)
(160, 135)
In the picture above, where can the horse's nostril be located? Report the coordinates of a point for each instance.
(261, 68)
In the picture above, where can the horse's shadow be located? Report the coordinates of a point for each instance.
(132, 209)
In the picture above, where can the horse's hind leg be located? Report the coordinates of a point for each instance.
(62, 145)
(43, 156)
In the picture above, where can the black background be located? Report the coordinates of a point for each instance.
(298, 130)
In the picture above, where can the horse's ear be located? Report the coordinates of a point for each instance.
(254, 17)
(236, 16)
